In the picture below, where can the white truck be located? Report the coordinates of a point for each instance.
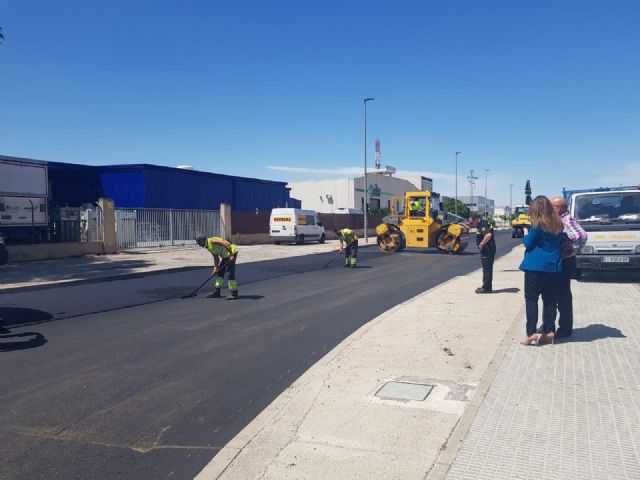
(24, 215)
(295, 225)
(611, 216)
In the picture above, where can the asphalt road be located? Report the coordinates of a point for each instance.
(155, 390)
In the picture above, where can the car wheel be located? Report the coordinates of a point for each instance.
(578, 274)
(300, 239)
(322, 238)
(277, 243)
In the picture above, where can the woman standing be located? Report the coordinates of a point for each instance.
(541, 266)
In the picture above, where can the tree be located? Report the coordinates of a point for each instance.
(450, 207)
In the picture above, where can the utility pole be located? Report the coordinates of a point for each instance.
(366, 187)
(471, 179)
(456, 204)
(511, 199)
(486, 200)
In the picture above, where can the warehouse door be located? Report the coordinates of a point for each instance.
(151, 227)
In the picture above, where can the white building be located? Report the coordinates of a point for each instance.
(499, 211)
(424, 184)
(325, 196)
(479, 204)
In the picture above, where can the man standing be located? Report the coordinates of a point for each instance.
(350, 239)
(224, 257)
(575, 239)
(485, 240)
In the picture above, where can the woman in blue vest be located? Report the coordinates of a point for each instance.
(542, 266)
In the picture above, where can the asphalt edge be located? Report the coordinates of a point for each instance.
(127, 276)
(447, 457)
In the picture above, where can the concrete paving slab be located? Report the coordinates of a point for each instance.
(569, 410)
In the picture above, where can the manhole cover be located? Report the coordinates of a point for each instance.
(404, 391)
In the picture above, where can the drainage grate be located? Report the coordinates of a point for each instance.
(404, 391)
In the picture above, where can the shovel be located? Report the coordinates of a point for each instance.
(193, 294)
(327, 264)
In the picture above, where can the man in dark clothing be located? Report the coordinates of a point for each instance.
(575, 238)
(485, 240)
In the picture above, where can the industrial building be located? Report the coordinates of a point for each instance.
(326, 196)
(479, 204)
(153, 186)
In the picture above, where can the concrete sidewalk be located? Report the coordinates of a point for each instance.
(496, 409)
(140, 262)
(331, 424)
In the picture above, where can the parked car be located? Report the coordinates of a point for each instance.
(295, 225)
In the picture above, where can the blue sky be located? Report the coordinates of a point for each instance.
(540, 90)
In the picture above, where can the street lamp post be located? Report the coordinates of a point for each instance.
(511, 199)
(486, 210)
(366, 187)
(456, 204)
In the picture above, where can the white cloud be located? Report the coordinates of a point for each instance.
(355, 171)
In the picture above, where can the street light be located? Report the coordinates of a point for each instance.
(366, 187)
(486, 170)
(511, 199)
(456, 204)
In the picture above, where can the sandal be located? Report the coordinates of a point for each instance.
(547, 338)
(533, 340)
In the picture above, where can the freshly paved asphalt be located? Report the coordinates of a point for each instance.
(155, 390)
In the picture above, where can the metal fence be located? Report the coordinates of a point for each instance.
(151, 227)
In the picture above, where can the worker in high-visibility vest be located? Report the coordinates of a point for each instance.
(416, 209)
(225, 255)
(349, 245)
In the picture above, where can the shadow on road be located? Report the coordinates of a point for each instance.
(16, 342)
(594, 332)
(507, 290)
(16, 316)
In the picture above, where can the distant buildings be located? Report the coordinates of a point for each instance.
(479, 204)
(325, 196)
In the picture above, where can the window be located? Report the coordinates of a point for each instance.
(374, 203)
(311, 220)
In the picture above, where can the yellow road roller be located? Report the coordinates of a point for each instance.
(417, 221)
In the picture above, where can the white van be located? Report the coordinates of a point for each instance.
(295, 225)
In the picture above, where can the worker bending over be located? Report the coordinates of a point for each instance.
(349, 245)
(224, 257)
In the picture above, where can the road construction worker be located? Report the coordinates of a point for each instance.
(349, 245)
(416, 209)
(225, 255)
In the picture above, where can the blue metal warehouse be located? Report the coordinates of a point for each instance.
(153, 186)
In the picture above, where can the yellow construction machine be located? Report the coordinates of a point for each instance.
(417, 220)
(521, 217)
(521, 220)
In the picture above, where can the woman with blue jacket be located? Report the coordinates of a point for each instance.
(541, 266)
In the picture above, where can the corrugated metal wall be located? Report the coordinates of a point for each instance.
(72, 185)
(174, 188)
(152, 186)
(125, 187)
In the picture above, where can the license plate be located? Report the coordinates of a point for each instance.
(275, 231)
(614, 259)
